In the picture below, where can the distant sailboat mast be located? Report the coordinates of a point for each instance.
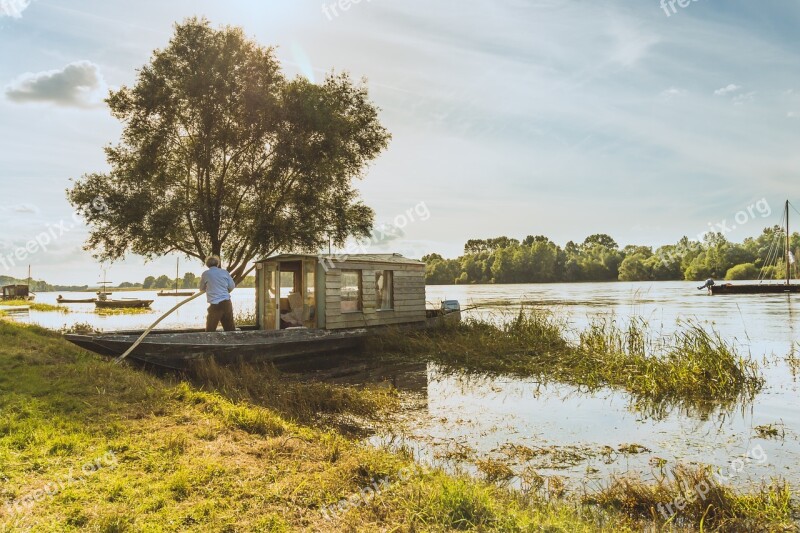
(787, 255)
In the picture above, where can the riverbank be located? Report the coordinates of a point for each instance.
(87, 444)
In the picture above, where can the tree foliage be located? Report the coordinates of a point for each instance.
(221, 154)
(598, 258)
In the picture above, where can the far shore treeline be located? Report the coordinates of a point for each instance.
(189, 281)
(537, 259)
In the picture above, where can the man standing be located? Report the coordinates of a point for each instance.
(218, 285)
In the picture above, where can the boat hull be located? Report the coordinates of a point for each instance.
(75, 301)
(181, 350)
(755, 289)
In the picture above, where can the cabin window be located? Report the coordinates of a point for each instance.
(351, 291)
(287, 283)
(384, 290)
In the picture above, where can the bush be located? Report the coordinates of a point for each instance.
(743, 271)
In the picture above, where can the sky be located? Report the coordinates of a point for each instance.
(512, 117)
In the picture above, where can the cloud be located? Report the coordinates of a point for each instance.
(26, 208)
(672, 92)
(13, 8)
(727, 90)
(793, 114)
(78, 84)
(740, 99)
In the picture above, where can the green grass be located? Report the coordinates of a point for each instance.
(207, 455)
(314, 402)
(187, 459)
(693, 367)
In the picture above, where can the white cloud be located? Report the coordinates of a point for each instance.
(793, 114)
(78, 84)
(672, 92)
(727, 90)
(743, 98)
(13, 8)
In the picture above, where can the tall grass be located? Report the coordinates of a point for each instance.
(694, 364)
(693, 499)
(305, 402)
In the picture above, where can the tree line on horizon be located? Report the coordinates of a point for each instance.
(537, 259)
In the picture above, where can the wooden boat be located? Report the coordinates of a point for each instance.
(16, 292)
(175, 291)
(379, 291)
(63, 300)
(179, 350)
(765, 287)
(756, 288)
(127, 303)
(19, 292)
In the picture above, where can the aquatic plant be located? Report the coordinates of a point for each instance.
(692, 498)
(36, 306)
(694, 366)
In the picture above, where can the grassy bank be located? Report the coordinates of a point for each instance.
(693, 365)
(88, 445)
(169, 456)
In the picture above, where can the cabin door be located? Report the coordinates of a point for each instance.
(269, 301)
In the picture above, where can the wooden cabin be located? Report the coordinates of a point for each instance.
(16, 292)
(353, 291)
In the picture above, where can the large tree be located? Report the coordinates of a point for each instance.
(221, 154)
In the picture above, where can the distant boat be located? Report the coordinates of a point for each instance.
(16, 292)
(63, 300)
(766, 288)
(127, 303)
(19, 292)
(103, 293)
(175, 291)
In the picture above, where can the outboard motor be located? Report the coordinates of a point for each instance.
(451, 309)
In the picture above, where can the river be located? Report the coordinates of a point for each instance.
(451, 419)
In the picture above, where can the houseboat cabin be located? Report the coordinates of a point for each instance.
(16, 292)
(330, 292)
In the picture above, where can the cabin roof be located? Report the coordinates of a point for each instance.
(358, 258)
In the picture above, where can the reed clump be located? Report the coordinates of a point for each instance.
(691, 364)
(694, 499)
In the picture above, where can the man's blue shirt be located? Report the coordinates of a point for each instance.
(218, 285)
